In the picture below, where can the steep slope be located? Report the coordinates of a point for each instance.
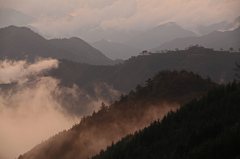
(159, 35)
(21, 43)
(205, 128)
(216, 40)
(10, 16)
(115, 50)
(106, 83)
(83, 51)
(235, 24)
(218, 65)
(204, 30)
(167, 90)
(96, 34)
(221, 26)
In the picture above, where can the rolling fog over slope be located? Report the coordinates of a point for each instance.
(133, 111)
(78, 75)
(30, 109)
(71, 90)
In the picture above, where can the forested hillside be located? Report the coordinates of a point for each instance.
(205, 128)
(218, 65)
(106, 83)
(164, 92)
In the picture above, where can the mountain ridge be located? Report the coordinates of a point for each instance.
(128, 114)
(158, 35)
(115, 50)
(216, 39)
(22, 43)
(197, 130)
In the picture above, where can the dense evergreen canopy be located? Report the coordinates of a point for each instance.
(205, 128)
(164, 92)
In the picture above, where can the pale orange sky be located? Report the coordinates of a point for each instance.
(60, 16)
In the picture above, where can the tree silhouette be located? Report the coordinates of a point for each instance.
(237, 71)
(196, 130)
(231, 49)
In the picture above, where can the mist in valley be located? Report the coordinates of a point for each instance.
(77, 76)
(34, 107)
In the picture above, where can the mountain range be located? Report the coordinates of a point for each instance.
(218, 65)
(220, 26)
(130, 113)
(217, 40)
(158, 35)
(108, 82)
(115, 50)
(205, 128)
(22, 43)
(138, 91)
(13, 17)
(19, 42)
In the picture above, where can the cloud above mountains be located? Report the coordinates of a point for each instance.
(60, 17)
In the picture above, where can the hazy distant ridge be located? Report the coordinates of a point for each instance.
(158, 35)
(217, 40)
(21, 42)
(115, 50)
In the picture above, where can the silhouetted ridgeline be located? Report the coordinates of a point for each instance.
(107, 82)
(216, 39)
(218, 65)
(164, 92)
(17, 43)
(159, 35)
(206, 128)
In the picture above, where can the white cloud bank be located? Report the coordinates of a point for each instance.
(29, 111)
(19, 71)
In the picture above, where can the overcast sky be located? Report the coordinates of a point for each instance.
(64, 16)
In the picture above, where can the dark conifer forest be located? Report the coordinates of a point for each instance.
(165, 92)
(119, 79)
(204, 128)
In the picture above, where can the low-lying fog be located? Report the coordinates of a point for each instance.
(31, 108)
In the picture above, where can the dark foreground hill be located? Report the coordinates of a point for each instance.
(206, 128)
(23, 43)
(166, 91)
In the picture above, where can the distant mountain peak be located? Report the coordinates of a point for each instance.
(171, 24)
(20, 32)
(159, 35)
(168, 25)
(17, 28)
(14, 17)
(237, 19)
(15, 40)
(105, 41)
(115, 50)
(216, 39)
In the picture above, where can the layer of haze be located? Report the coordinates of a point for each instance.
(61, 18)
(29, 109)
